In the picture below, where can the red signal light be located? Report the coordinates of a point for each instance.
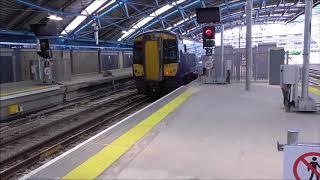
(208, 36)
(208, 32)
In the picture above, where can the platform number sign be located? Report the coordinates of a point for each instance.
(301, 162)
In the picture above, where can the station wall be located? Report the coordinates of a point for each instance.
(16, 64)
(84, 62)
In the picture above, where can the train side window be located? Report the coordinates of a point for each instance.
(170, 51)
(138, 53)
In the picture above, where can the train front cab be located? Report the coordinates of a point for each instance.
(155, 63)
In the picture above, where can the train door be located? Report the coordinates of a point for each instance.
(152, 65)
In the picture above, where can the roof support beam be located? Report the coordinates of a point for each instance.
(203, 4)
(71, 42)
(183, 15)
(145, 4)
(19, 18)
(162, 23)
(124, 19)
(302, 12)
(164, 17)
(108, 11)
(126, 9)
(47, 10)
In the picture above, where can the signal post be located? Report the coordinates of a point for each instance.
(210, 18)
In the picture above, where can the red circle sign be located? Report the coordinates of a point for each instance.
(302, 159)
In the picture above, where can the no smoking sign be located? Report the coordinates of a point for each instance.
(301, 162)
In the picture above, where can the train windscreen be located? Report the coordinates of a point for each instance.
(170, 51)
(138, 52)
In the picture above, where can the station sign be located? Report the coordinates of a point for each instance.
(301, 162)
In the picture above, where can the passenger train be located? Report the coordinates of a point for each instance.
(161, 62)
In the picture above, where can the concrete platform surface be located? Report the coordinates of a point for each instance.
(221, 132)
(63, 164)
(8, 89)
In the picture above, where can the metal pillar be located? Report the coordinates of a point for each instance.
(240, 35)
(39, 61)
(222, 55)
(306, 49)
(306, 103)
(96, 32)
(99, 61)
(121, 59)
(248, 44)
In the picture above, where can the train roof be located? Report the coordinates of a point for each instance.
(157, 31)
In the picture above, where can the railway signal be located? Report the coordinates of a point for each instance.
(208, 36)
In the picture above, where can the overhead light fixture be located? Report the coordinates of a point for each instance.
(54, 17)
(180, 22)
(142, 22)
(95, 5)
(124, 31)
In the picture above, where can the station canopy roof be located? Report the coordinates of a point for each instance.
(121, 20)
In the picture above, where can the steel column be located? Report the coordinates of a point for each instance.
(222, 54)
(240, 36)
(249, 44)
(306, 49)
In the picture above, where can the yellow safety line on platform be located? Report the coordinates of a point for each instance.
(24, 90)
(314, 91)
(98, 163)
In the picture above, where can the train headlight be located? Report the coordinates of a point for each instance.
(138, 70)
(170, 69)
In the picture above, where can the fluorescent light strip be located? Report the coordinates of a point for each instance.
(147, 19)
(107, 5)
(54, 17)
(192, 29)
(88, 11)
(180, 22)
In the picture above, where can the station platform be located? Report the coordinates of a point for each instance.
(198, 131)
(25, 96)
(83, 80)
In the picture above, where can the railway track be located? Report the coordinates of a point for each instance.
(26, 144)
